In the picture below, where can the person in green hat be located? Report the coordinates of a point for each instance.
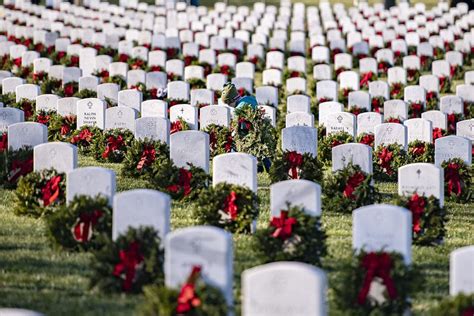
(231, 97)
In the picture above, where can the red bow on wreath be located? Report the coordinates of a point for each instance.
(20, 168)
(38, 76)
(74, 60)
(184, 182)
(416, 109)
(376, 105)
(84, 135)
(129, 261)
(17, 62)
(112, 145)
(431, 95)
(176, 127)
(451, 175)
(365, 80)
(442, 82)
(123, 58)
(147, 158)
(296, 160)
(352, 183)
(82, 229)
(69, 90)
(437, 133)
(452, 70)
(230, 206)
(225, 69)
(424, 60)
(3, 142)
(322, 100)
(138, 64)
(416, 205)
(51, 190)
(376, 265)
(396, 89)
(418, 150)
(283, 225)
(468, 311)
(242, 92)
(43, 119)
(368, 140)
(385, 158)
(187, 298)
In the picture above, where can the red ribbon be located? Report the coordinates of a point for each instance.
(352, 183)
(184, 182)
(368, 139)
(385, 159)
(51, 190)
(147, 158)
(451, 175)
(411, 73)
(376, 105)
(395, 89)
(376, 265)
(43, 119)
(416, 205)
(188, 60)
(82, 230)
(242, 92)
(69, 90)
(228, 144)
(283, 225)
(4, 142)
(366, 78)
(84, 135)
(112, 145)
(129, 261)
(296, 160)
(17, 62)
(155, 68)
(437, 133)
(383, 67)
(187, 298)
(138, 64)
(418, 150)
(176, 127)
(74, 61)
(442, 82)
(294, 74)
(38, 76)
(229, 205)
(225, 69)
(20, 168)
(123, 58)
(431, 95)
(452, 70)
(424, 60)
(468, 311)
(322, 100)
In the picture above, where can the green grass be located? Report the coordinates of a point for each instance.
(34, 276)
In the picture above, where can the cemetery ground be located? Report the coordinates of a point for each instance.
(35, 276)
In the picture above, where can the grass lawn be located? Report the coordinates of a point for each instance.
(34, 276)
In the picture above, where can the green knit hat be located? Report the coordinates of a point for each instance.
(229, 93)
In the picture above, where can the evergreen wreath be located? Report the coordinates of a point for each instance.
(419, 151)
(51, 86)
(293, 236)
(179, 125)
(292, 165)
(14, 165)
(27, 106)
(438, 133)
(387, 160)
(287, 74)
(343, 95)
(8, 98)
(349, 188)
(458, 177)
(85, 94)
(452, 120)
(468, 109)
(196, 83)
(129, 263)
(195, 298)
(119, 80)
(220, 139)
(44, 117)
(231, 207)
(397, 90)
(112, 145)
(415, 109)
(172, 102)
(431, 100)
(444, 84)
(461, 304)
(61, 128)
(39, 192)
(366, 139)
(69, 89)
(428, 218)
(326, 144)
(356, 110)
(377, 104)
(366, 78)
(396, 283)
(141, 155)
(413, 75)
(84, 137)
(78, 224)
(254, 134)
(226, 70)
(179, 183)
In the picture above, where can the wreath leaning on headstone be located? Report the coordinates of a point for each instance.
(376, 283)
(111, 145)
(220, 139)
(428, 218)
(419, 151)
(78, 224)
(61, 128)
(84, 138)
(458, 177)
(293, 165)
(326, 144)
(349, 188)
(179, 182)
(39, 192)
(293, 236)
(387, 160)
(228, 206)
(254, 134)
(133, 260)
(195, 297)
(14, 164)
(141, 155)
(461, 304)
